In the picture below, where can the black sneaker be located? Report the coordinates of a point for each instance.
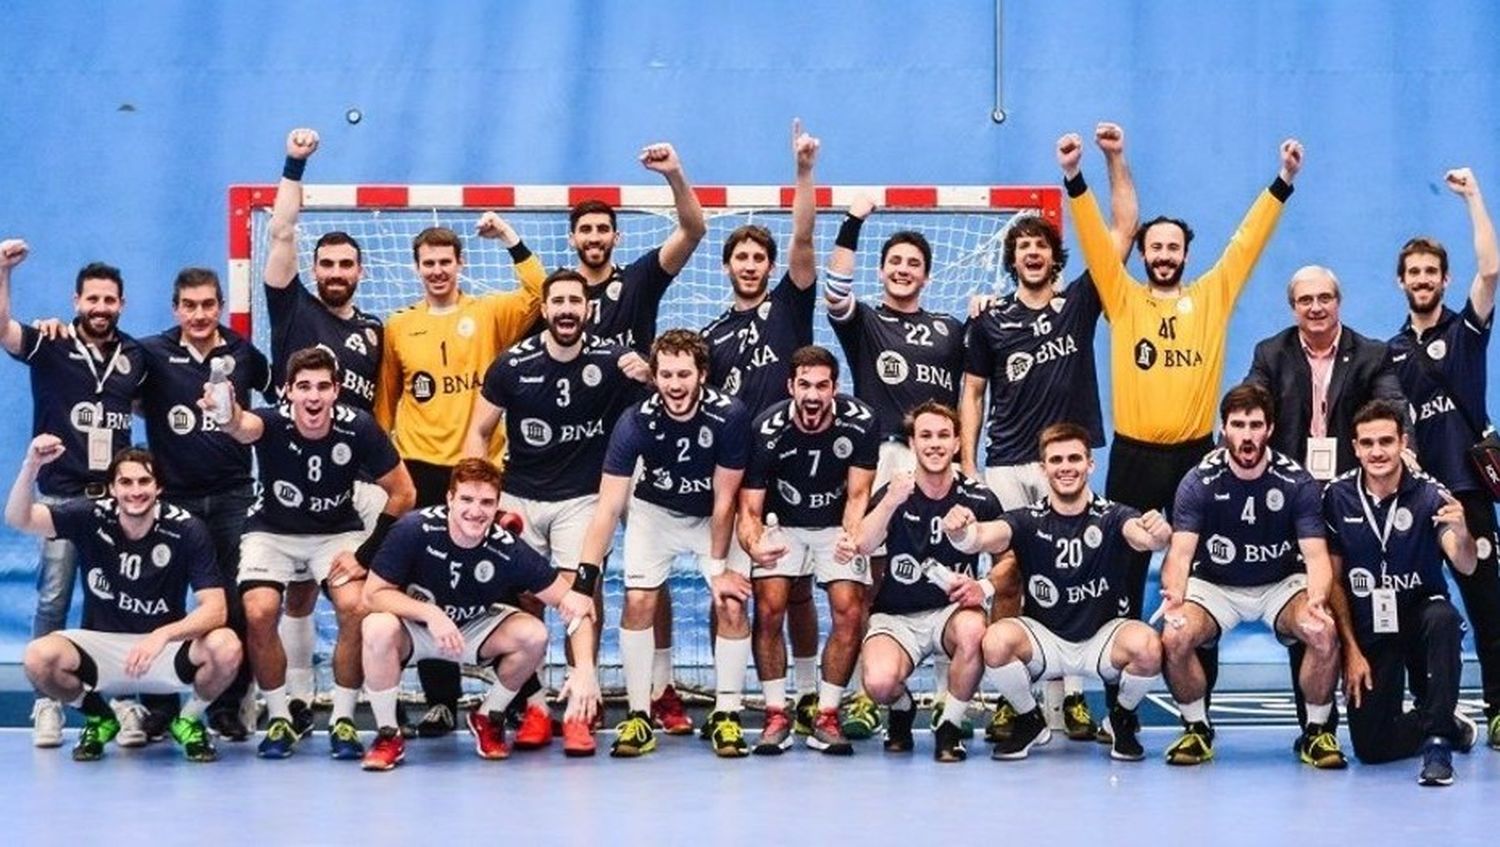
(1078, 722)
(157, 723)
(1002, 723)
(404, 724)
(1030, 729)
(805, 714)
(727, 735)
(193, 737)
(898, 729)
(302, 717)
(437, 722)
(949, 743)
(1194, 747)
(1124, 727)
(1320, 748)
(97, 732)
(226, 724)
(1437, 763)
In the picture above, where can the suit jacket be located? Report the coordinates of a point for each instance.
(1361, 372)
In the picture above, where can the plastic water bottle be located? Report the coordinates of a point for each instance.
(220, 389)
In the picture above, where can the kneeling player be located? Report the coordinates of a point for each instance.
(445, 586)
(930, 601)
(137, 558)
(1389, 530)
(1072, 550)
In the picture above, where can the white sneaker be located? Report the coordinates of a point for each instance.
(46, 723)
(132, 717)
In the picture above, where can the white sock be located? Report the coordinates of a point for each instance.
(661, 669)
(636, 647)
(940, 676)
(497, 698)
(538, 699)
(829, 695)
(298, 638)
(954, 710)
(1319, 714)
(1194, 712)
(856, 684)
(1072, 685)
(904, 702)
(775, 691)
(1132, 689)
(1014, 684)
(276, 703)
(344, 701)
(194, 707)
(731, 660)
(805, 674)
(383, 704)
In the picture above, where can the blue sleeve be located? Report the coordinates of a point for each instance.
(990, 508)
(1330, 518)
(260, 376)
(1188, 505)
(624, 446)
(31, 342)
(867, 448)
(759, 469)
(801, 301)
(532, 571)
(73, 518)
(378, 454)
(732, 447)
(393, 559)
(1308, 506)
(1474, 325)
(494, 388)
(203, 564)
(647, 272)
(979, 354)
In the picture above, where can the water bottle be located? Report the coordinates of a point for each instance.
(220, 389)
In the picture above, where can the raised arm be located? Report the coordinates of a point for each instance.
(13, 251)
(525, 299)
(1486, 254)
(1233, 268)
(970, 536)
(281, 258)
(838, 289)
(679, 246)
(22, 512)
(241, 426)
(1124, 210)
(1106, 265)
(802, 263)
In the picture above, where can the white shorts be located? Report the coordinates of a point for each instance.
(810, 553)
(895, 456)
(554, 529)
(920, 634)
(655, 537)
(1231, 605)
(284, 559)
(108, 651)
(1016, 485)
(1054, 658)
(424, 646)
(369, 502)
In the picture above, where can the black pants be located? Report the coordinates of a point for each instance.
(1145, 477)
(1481, 595)
(441, 680)
(1426, 650)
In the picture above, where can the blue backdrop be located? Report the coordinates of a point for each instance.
(121, 124)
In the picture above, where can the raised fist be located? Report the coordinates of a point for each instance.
(901, 486)
(301, 143)
(804, 146)
(1460, 181)
(1291, 159)
(12, 252)
(660, 157)
(44, 448)
(862, 206)
(492, 225)
(1070, 154)
(1110, 138)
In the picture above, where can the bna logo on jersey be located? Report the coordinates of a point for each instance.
(86, 416)
(1361, 582)
(99, 584)
(1018, 366)
(789, 492)
(1043, 591)
(161, 555)
(536, 432)
(1221, 549)
(905, 569)
(181, 420)
(663, 480)
(286, 493)
(423, 386)
(891, 367)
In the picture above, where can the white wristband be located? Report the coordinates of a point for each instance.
(713, 567)
(968, 542)
(988, 588)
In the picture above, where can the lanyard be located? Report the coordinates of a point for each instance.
(1383, 535)
(109, 367)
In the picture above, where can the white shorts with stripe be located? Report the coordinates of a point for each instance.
(284, 559)
(108, 651)
(554, 529)
(475, 632)
(1054, 658)
(655, 537)
(1232, 605)
(920, 634)
(809, 552)
(1016, 485)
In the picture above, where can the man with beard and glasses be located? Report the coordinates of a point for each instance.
(82, 388)
(690, 442)
(750, 348)
(1440, 358)
(560, 393)
(1033, 351)
(1167, 338)
(805, 492)
(623, 304)
(330, 319)
(1248, 544)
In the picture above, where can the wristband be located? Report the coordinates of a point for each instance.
(293, 169)
(838, 285)
(988, 588)
(848, 236)
(965, 543)
(365, 555)
(588, 579)
(519, 253)
(713, 567)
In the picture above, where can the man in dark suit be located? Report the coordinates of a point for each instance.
(1320, 373)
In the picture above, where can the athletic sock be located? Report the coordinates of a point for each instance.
(954, 710)
(1194, 712)
(661, 669)
(636, 646)
(383, 704)
(344, 701)
(829, 695)
(940, 676)
(1132, 689)
(775, 691)
(497, 698)
(298, 638)
(904, 702)
(805, 674)
(194, 707)
(276, 703)
(1014, 684)
(731, 659)
(1320, 713)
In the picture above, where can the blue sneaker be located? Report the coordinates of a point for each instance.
(343, 740)
(279, 741)
(1437, 762)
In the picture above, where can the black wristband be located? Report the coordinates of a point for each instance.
(1281, 189)
(293, 169)
(1075, 185)
(365, 555)
(588, 579)
(848, 236)
(520, 252)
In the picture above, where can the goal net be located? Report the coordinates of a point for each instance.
(965, 225)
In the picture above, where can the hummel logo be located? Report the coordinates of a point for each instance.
(532, 380)
(1221, 497)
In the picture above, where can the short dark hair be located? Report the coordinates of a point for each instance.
(474, 470)
(590, 207)
(914, 238)
(335, 238)
(311, 359)
(1063, 431)
(1422, 245)
(563, 275)
(437, 236)
(1381, 409)
(1033, 226)
(813, 356)
(1140, 231)
(750, 232)
(99, 270)
(1246, 397)
(196, 278)
(139, 455)
(678, 341)
(929, 407)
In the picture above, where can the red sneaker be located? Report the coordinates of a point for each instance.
(668, 713)
(489, 735)
(535, 731)
(387, 751)
(578, 739)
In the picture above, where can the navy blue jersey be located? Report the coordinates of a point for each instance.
(915, 541)
(679, 457)
(307, 485)
(1412, 559)
(1247, 529)
(1040, 367)
(557, 415)
(806, 475)
(1455, 348)
(420, 557)
(136, 586)
(623, 308)
(193, 457)
(900, 360)
(1074, 567)
(77, 388)
(300, 320)
(750, 351)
